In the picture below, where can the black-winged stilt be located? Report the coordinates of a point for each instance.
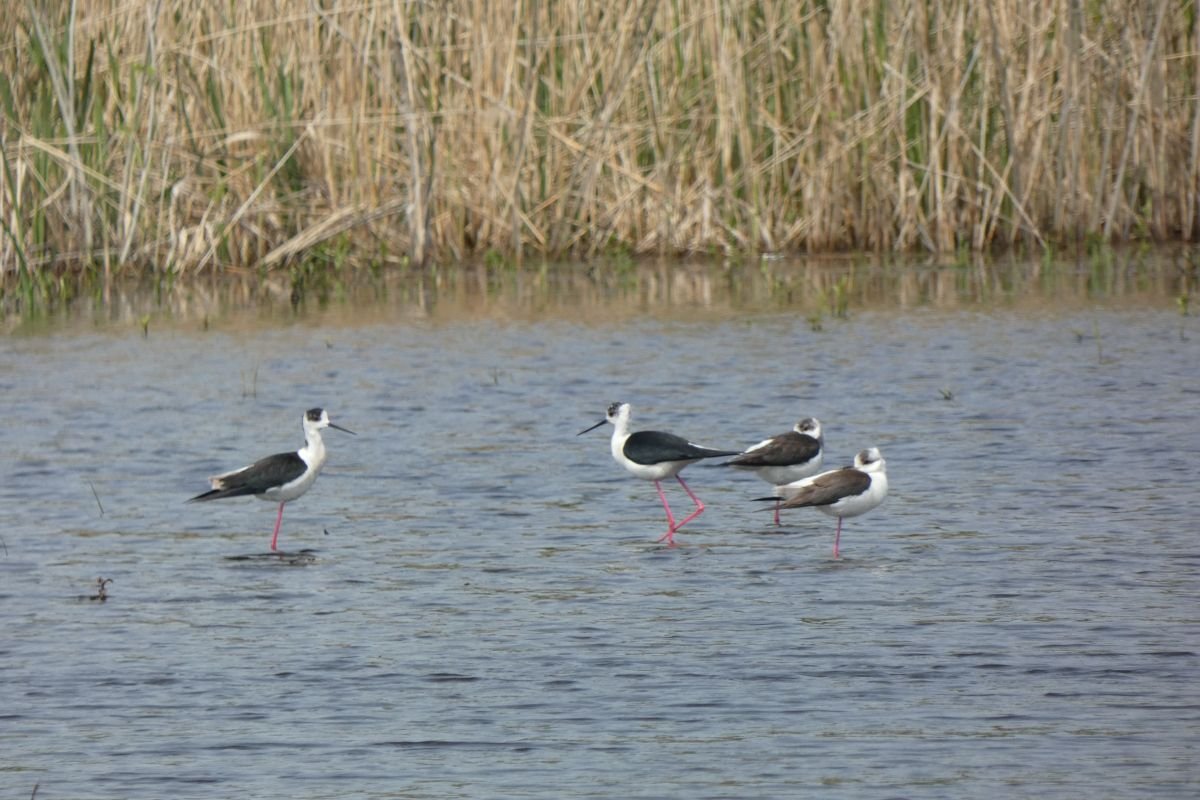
(845, 492)
(653, 456)
(279, 478)
(787, 457)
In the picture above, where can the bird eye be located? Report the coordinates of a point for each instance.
(612, 409)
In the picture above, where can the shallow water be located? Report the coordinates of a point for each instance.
(482, 610)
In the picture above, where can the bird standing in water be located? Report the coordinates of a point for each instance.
(787, 457)
(653, 456)
(845, 492)
(279, 478)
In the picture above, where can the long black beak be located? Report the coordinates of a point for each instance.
(597, 425)
(343, 430)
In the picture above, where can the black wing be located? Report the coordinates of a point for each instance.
(829, 487)
(780, 451)
(655, 447)
(264, 474)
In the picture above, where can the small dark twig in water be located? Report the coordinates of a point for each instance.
(946, 394)
(253, 390)
(34, 795)
(101, 594)
(98, 503)
(1082, 336)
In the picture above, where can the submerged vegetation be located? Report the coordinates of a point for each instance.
(189, 137)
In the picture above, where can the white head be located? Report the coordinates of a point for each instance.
(809, 426)
(317, 418)
(870, 460)
(618, 414)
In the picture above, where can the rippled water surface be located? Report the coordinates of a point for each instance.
(473, 604)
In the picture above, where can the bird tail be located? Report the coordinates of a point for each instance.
(219, 494)
(765, 500)
(213, 494)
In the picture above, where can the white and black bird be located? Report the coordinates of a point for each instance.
(279, 478)
(787, 457)
(845, 492)
(653, 456)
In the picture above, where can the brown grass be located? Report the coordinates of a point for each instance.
(192, 135)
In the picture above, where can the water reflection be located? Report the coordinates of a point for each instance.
(817, 288)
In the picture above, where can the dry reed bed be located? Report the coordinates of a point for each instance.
(193, 135)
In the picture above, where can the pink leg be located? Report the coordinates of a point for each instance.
(669, 536)
(837, 537)
(778, 503)
(699, 506)
(278, 522)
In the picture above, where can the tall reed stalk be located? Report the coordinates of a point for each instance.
(179, 136)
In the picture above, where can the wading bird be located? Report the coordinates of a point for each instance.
(653, 456)
(787, 457)
(845, 492)
(279, 478)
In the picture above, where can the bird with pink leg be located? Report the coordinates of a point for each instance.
(785, 458)
(656, 456)
(280, 478)
(841, 493)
